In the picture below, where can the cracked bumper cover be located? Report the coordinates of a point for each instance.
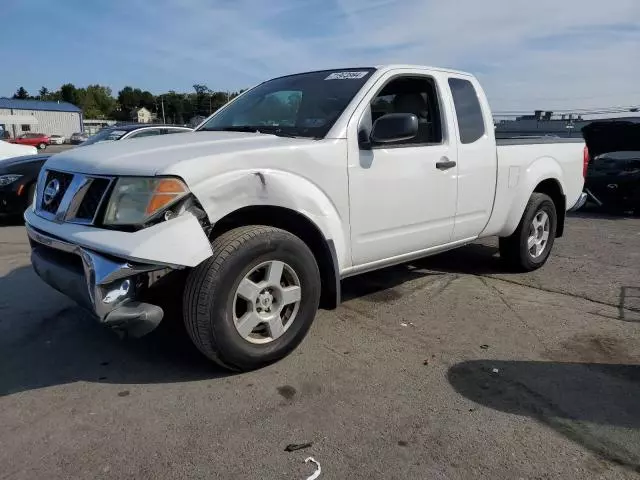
(108, 288)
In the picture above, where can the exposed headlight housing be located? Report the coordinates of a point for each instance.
(8, 179)
(136, 200)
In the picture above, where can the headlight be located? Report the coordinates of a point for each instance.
(8, 179)
(135, 200)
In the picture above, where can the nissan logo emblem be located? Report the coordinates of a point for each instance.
(51, 191)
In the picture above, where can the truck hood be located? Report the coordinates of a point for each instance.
(163, 154)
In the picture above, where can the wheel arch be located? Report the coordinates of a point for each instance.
(553, 189)
(296, 223)
(544, 175)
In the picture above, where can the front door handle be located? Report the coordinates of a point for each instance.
(445, 164)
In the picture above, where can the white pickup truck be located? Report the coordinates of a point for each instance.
(257, 215)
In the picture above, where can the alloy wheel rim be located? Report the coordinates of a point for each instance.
(538, 234)
(266, 302)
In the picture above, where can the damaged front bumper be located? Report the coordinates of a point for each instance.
(108, 287)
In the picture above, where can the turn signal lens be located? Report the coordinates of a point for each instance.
(167, 190)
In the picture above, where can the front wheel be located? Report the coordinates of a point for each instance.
(42, 146)
(254, 300)
(528, 248)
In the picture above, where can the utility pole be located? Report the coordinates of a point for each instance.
(163, 119)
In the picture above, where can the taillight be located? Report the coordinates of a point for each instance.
(585, 161)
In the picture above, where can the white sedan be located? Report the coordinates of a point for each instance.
(10, 150)
(57, 139)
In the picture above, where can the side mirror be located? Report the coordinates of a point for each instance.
(394, 127)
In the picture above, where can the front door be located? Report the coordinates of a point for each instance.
(403, 195)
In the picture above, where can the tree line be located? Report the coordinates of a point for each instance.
(97, 101)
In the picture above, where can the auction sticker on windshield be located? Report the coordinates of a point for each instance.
(346, 75)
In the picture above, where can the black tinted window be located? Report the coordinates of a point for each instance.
(468, 110)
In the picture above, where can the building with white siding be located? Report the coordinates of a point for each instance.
(36, 116)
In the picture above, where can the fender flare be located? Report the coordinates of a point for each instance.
(226, 193)
(543, 168)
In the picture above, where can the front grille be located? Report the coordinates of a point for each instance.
(92, 199)
(65, 181)
(83, 196)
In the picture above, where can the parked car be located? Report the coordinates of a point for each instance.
(28, 167)
(39, 140)
(9, 150)
(613, 175)
(78, 137)
(299, 182)
(134, 130)
(57, 139)
(17, 182)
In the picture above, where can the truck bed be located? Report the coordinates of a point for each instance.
(522, 162)
(537, 140)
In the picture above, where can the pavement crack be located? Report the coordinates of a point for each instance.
(446, 285)
(560, 292)
(501, 296)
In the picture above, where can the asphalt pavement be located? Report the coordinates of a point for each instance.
(447, 368)
(58, 148)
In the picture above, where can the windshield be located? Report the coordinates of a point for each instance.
(303, 105)
(106, 135)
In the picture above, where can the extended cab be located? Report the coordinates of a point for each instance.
(256, 216)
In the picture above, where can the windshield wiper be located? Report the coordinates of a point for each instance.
(240, 128)
(264, 129)
(278, 131)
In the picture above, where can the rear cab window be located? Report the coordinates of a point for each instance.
(468, 110)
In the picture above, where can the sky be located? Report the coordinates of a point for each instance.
(546, 54)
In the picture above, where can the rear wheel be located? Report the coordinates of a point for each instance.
(254, 300)
(42, 146)
(528, 248)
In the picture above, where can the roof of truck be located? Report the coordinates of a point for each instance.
(396, 66)
(380, 68)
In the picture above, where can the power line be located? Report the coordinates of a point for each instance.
(571, 99)
(614, 109)
(577, 112)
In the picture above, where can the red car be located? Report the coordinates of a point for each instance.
(39, 140)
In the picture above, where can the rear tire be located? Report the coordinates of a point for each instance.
(213, 307)
(528, 248)
(42, 146)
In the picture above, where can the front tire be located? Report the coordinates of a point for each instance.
(253, 301)
(42, 146)
(528, 248)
